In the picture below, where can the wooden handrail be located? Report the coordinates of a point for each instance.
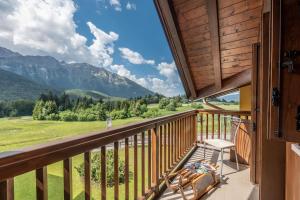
(225, 112)
(18, 162)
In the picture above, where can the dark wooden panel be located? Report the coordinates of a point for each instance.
(292, 183)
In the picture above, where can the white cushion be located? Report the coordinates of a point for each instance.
(218, 143)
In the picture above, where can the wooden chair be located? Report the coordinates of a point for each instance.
(201, 185)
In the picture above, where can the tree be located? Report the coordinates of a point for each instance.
(163, 103)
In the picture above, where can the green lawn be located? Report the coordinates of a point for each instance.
(20, 132)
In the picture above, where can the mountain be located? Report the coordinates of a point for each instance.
(231, 97)
(48, 71)
(77, 93)
(14, 87)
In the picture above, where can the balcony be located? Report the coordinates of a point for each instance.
(149, 148)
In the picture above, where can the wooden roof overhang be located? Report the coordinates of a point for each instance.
(211, 42)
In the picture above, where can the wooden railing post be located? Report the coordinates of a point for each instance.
(67, 164)
(87, 175)
(41, 184)
(7, 189)
(155, 159)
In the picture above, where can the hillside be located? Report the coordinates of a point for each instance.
(50, 72)
(76, 93)
(14, 87)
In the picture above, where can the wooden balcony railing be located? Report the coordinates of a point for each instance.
(166, 140)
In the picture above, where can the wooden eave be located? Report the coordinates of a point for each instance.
(211, 41)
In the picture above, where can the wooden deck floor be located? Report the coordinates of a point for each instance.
(234, 186)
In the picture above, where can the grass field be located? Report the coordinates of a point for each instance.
(20, 132)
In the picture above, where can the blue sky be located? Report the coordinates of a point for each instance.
(124, 37)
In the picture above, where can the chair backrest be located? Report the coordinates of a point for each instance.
(235, 123)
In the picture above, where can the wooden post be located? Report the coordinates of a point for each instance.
(155, 159)
(41, 184)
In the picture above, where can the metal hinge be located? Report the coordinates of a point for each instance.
(289, 58)
(275, 97)
(254, 127)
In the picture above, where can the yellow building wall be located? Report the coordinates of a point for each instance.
(245, 98)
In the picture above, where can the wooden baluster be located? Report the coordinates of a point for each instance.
(178, 140)
(149, 159)
(126, 169)
(201, 127)
(165, 147)
(7, 189)
(169, 145)
(143, 163)
(173, 143)
(103, 173)
(87, 175)
(219, 127)
(206, 126)
(41, 184)
(116, 169)
(135, 188)
(160, 150)
(155, 159)
(212, 126)
(67, 164)
(225, 125)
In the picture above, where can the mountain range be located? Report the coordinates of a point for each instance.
(25, 77)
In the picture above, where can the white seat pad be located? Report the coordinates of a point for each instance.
(218, 143)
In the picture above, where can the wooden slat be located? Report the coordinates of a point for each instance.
(67, 165)
(212, 10)
(135, 166)
(213, 126)
(160, 150)
(116, 170)
(7, 189)
(206, 126)
(219, 127)
(126, 169)
(201, 127)
(87, 175)
(143, 162)
(165, 148)
(225, 128)
(149, 159)
(103, 173)
(169, 145)
(41, 184)
(155, 158)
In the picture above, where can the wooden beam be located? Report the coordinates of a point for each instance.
(166, 14)
(213, 22)
(241, 79)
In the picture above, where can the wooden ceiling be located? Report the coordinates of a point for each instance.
(211, 41)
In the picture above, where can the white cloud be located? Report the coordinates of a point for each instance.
(167, 87)
(168, 70)
(116, 4)
(47, 28)
(130, 6)
(134, 57)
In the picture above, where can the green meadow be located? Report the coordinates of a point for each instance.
(24, 131)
